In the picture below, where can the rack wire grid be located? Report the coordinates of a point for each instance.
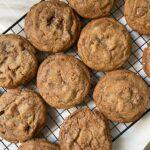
(57, 116)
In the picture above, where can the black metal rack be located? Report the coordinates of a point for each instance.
(56, 116)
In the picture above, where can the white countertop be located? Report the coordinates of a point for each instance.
(136, 138)
(133, 139)
(12, 10)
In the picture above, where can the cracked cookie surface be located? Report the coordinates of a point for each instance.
(137, 14)
(52, 26)
(38, 144)
(121, 95)
(92, 8)
(63, 81)
(146, 60)
(104, 44)
(22, 115)
(86, 130)
(18, 63)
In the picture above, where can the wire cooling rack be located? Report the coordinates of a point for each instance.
(57, 116)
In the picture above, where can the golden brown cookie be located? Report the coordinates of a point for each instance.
(104, 44)
(22, 115)
(92, 8)
(137, 14)
(52, 26)
(63, 81)
(85, 130)
(38, 144)
(146, 60)
(121, 95)
(18, 63)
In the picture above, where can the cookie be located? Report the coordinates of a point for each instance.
(121, 95)
(146, 60)
(104, 44)
(137, 14)
(85, 130)
(38, 144)
(18, 63)
(92, 8)
(52, 26)
(22, 115)
(63, 81)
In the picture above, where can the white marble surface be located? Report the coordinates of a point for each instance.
(12, 10)
(136, 137)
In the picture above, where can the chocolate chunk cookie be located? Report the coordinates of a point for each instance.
(92, 8)
(38, 144)
(52, 26)
(85, 130)
(104, 44)
(146, 60)
(63, 81)
(122, 96)
(22, 115)
(137, 14)
(18, 63)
